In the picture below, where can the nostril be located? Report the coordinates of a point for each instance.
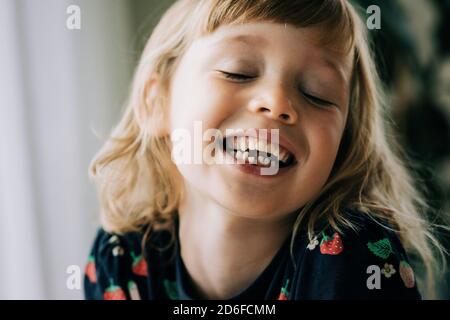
(276, 115)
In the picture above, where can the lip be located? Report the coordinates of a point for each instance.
(264, 133)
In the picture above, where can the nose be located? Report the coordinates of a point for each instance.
(275, 104)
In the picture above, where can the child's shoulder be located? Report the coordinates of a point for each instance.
(117, 267)
(364, 261)
(106, 241)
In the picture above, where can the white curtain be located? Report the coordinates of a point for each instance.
(57, 87)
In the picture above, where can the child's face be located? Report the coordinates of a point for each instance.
(285, 68)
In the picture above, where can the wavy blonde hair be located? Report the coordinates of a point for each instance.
(138, 184)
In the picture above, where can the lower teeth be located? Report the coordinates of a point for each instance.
(261, 161)
(255, 158)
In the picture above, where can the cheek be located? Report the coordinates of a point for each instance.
(324, 137)
(197, 101)
(196, 106)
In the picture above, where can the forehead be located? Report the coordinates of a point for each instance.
(293, 43)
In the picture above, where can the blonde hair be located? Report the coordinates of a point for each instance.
(138, 184)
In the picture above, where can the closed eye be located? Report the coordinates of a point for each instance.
(242, 77)
(236, 76)
(317, 101)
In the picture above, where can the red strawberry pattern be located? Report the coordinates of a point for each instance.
(139, 265)
(407, 274)
(284, 294)
(114, 292)
(133, 290)
(90, 270)
(331, 245)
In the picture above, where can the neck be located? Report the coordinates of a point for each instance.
(217, 243)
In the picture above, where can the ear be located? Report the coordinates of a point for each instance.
(155, 109)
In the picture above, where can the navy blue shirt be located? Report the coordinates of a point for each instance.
(366, 264)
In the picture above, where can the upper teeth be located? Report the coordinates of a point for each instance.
(244, 143)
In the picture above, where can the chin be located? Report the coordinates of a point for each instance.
(249, 209)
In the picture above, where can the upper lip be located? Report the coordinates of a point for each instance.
(265, 134)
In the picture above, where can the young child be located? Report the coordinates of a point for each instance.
(332, 223)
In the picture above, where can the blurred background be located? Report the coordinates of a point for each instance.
(62, 90)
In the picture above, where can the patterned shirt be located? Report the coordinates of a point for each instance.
(369, 263)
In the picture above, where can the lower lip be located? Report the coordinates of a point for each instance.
(256, 170)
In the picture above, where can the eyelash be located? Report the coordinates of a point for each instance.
(317, 101)
(313, 99)
(236, 76)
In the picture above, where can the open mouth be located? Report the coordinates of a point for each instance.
(258, 152)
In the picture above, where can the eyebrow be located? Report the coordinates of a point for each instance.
(246, 39)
